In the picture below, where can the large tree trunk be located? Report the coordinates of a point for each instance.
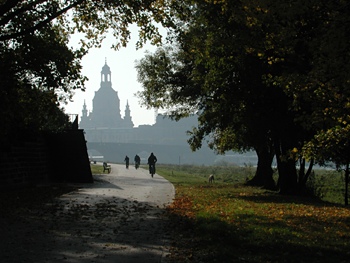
(263, 175)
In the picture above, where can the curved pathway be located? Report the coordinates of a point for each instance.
(119, 218)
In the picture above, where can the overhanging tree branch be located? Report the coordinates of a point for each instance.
(40, 24)
(7, 15)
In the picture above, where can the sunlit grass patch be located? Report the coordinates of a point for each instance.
(199, 174)
(96, 168)
(232, 223)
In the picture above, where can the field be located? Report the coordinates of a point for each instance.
(230, 222)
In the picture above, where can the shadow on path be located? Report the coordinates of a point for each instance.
(116, 219)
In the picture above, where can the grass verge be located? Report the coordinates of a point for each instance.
(230, 222)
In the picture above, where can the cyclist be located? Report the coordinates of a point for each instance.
(152, 159)
(126, 160)
(137, 160)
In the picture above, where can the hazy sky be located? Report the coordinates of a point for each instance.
(123, 77)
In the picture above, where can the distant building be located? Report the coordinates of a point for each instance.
(104, 123)
(106, 107)
(110, 137)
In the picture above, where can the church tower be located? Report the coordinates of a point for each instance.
(84, 120)
(127, 118)
(104, 122)
(106, 103)
(84, 111)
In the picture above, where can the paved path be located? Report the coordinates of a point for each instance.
(119, 218)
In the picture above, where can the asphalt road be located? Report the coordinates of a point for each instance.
(119, 218)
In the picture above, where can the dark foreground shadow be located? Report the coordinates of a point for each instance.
(111, 230)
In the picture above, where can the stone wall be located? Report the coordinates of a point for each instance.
(24, 163)
(34, 160)
(69, 160)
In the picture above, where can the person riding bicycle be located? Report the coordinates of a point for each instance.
(152, 159)
(126, 160)
(137, 160)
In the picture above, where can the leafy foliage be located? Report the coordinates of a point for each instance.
(258, 75)
(38, 69)
(92, 18)
(37, 73)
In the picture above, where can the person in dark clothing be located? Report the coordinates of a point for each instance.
(152, 159)
(137, 160)
(126, 160)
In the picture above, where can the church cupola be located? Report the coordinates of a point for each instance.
(105, 73)
(106, 111)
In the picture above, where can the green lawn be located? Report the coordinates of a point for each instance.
(96, 168)
(230, 222)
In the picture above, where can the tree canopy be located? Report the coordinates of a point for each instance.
(39, 69)
(257, 74)
(270, 75)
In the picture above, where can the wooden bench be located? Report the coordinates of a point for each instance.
(106, 167)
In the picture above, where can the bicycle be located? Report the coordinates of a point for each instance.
(152, 169)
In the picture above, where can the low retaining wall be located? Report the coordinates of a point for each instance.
(38, 159)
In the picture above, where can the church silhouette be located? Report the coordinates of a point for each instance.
(106, 107)
(111, 136)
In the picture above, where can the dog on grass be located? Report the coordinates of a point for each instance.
(211, 178)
